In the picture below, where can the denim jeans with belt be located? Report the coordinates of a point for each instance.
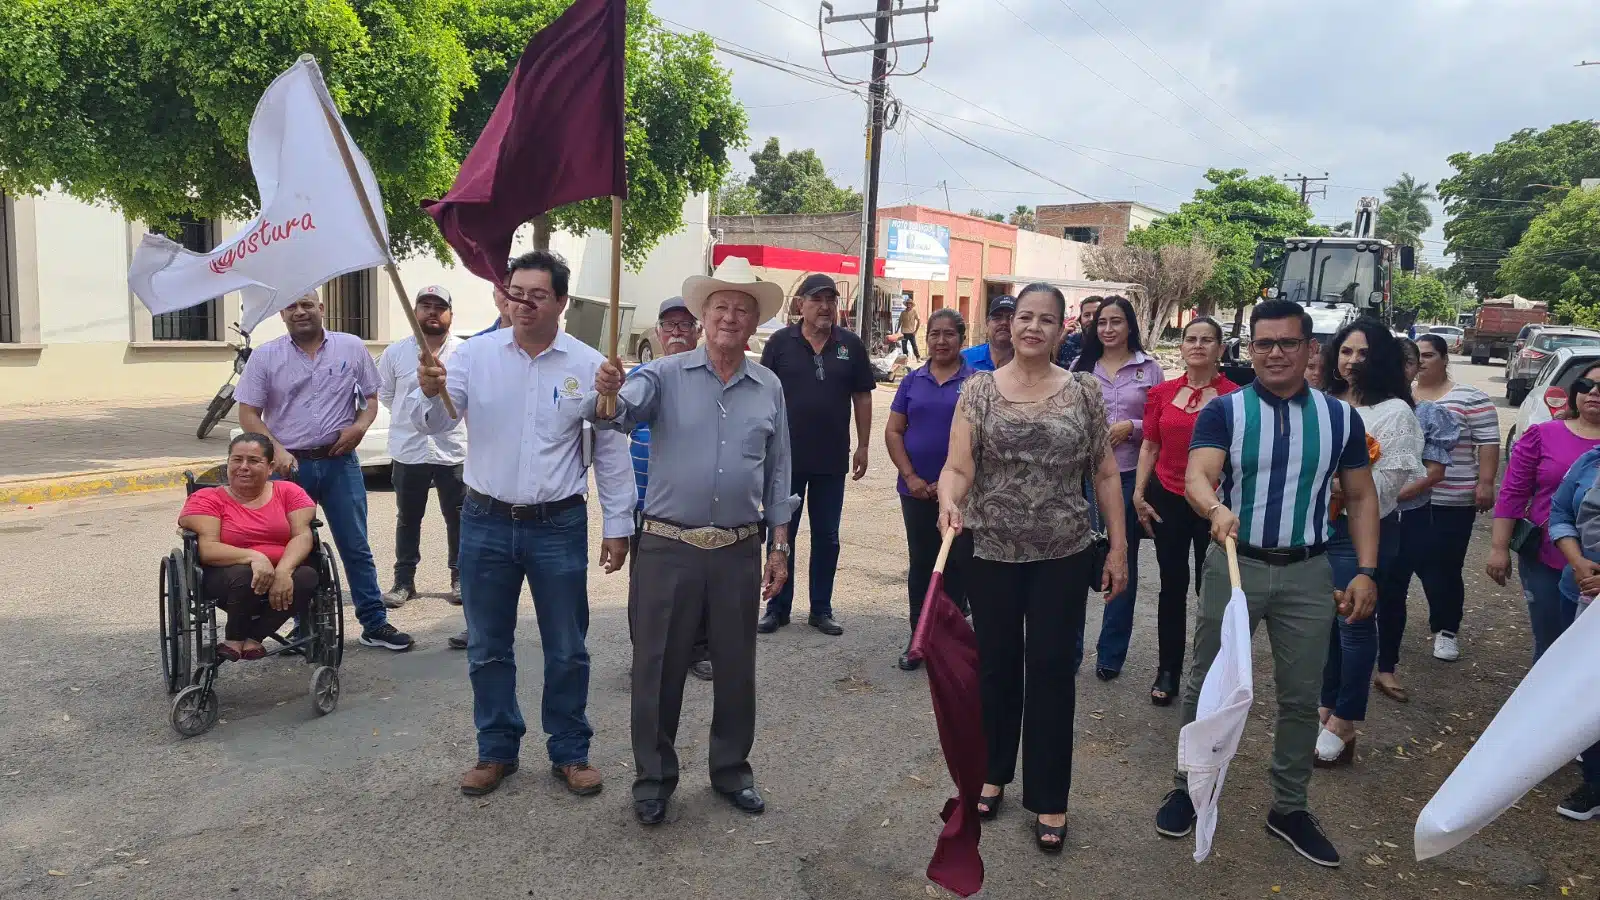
(336, 485)
(551, 552)
(1353, 646)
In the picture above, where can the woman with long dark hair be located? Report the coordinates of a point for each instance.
(1363, 365)
(918, 437)
(1113, 354)
(1169, 415)
(1024, 440)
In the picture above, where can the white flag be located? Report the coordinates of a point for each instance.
(1208, 744)
(311, 228)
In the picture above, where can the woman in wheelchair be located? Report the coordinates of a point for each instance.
(254, 538)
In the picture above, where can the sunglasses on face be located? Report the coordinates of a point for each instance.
(1584, 385)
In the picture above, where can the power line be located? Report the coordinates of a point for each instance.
(1197, 88)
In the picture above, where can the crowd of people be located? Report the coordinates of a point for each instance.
(1051, 451)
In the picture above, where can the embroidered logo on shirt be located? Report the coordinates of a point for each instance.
(844, 352)
(569, 389)
(1138, 374)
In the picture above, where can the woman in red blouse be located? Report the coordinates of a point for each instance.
(255, 535)
(1169, 413)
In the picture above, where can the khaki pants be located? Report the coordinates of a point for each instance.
(1297, 603)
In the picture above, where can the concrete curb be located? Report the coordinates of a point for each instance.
(96, 484)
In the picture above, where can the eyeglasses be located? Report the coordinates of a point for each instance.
(1265, 346)
(1584, 386)
(522, 296)
(821, 375)
(670, 325)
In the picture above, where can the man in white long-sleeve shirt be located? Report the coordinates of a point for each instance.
(525, 516)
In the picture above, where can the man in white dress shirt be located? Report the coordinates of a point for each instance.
(420, 462)
(525, 517)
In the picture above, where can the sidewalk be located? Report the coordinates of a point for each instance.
(66, 450)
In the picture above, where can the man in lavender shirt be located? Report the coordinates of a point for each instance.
(314, 393)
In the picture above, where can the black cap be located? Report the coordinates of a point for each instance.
(817, 282)
(1003, 303)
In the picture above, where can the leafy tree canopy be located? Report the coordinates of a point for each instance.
(1424, 296)
(146, 104)
(1232, 216)
(1493, 197)
(1022, 217)
(786, 184)
(1404, 215)
(1558, 258)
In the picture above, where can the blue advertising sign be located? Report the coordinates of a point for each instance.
(917, 250)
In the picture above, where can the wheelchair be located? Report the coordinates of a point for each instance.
(189, 633)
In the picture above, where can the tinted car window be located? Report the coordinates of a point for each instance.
(1557, 341)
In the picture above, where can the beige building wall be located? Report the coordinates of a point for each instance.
(1048, 256)
(86, 337)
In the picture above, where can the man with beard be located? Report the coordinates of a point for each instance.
(998, 352)
(678, 332)
(421, 461)
(315, 393)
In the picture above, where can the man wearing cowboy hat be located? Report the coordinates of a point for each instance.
(719, 470)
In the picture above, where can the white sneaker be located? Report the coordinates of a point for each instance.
(1445, 647)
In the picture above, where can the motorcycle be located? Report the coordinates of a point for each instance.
(222, 403)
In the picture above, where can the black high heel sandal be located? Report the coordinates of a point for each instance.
(989, 807)
(1042, 831)
(1167, 685)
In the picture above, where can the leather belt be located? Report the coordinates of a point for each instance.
(524, 512)
(323, 452)
(1280, 556)
(705, 538)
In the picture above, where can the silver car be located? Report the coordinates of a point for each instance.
(1548, 392)
(1536, 351)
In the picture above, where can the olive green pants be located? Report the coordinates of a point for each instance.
(1296, 601)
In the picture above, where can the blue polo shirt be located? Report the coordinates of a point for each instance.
(1282, 456)
(978, 358)
(929, 408)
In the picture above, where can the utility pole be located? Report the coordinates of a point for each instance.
(877, 101)
(1305, 186)
(946, 186)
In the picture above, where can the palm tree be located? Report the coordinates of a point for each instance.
(1404, 215)
(1023, 218)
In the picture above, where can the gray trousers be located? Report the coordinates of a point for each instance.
(674, 589)
(1297, 603)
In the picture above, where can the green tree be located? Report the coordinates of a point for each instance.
(1022, 217)
(1558, 258)
(786, 184)
(1425, 296)
(1404, 215)
(1495, 196)
(980, 214)
(147, 105)
(1232, 216)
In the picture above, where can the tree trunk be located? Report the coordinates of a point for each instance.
(1238, 320)
(541, 232)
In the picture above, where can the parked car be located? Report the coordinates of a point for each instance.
(1451, 334)
(373, 451)
(1543, 343)
(1548, 393)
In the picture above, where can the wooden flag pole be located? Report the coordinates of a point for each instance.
(1233, 563)
(607, 405)
(377, 235)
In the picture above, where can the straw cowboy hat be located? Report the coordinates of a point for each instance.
(734, 274)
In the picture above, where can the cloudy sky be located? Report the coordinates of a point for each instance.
(1135, 99)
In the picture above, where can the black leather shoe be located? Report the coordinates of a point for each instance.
(650, 812)
(748, 800)
(771, 622)
(826, 625)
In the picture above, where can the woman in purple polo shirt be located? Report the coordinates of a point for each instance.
(1113, 353)
(918, 435)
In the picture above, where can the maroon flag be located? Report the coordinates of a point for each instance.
(555, 137)
(946, 644)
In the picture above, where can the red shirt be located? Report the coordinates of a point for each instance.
(265, 530)
(1171, 427)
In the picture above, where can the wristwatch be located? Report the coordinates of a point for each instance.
(1368, 571)
(780, 548)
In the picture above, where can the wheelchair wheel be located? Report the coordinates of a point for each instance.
(328, 617)
(194, 710)
(174, 611)
(324, 689)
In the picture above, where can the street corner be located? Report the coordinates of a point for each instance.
(31, 491)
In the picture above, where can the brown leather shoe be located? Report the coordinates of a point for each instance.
(484, 777)
(581, 778)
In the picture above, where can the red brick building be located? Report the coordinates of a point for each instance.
(1095, 223)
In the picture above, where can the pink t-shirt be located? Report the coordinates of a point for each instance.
(265, 530)
(1539, 461)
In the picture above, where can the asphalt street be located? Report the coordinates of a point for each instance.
(100, 798)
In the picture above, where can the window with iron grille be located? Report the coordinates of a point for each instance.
(197, 323)
(348, 304)
(1082, 234)
(10, 327)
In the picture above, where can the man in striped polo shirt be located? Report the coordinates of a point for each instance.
(1277, 447)
(679, 332)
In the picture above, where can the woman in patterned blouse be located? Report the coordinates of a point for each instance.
(1024, 439)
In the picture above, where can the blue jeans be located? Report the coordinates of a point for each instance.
(823, 495)
(336, 485)
(1353, 646)
(1116, 623)
(551, 553)
(1549, 612)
